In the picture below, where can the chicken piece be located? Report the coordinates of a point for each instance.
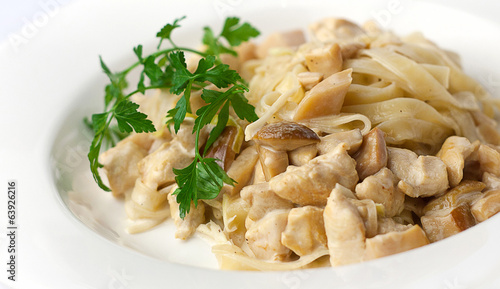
(382, 188)
(335, 29)
(386, 225)
(258, 174)
(273, 162)
(309, 79)
(302, 155)
(120, 165)
(368, 212)
(444, 223)
(246, 51)
(453, 153)
(305, 230)
(420, 176)
(186, 136)
(353, 139)
(159, 137)
(155, 104)
(156, 168)
(372, 155)
(264, 237)
(489, 159)
(466, 192)
(344, 228)
(326, 98)
(415, 206)
(395, 242)
(312, 183)
(349, 50)
(487, 206)
(146, 140)
(187, 226)
(490, 181)
(325, 60)
(262, 200)
(290, 39)
(241, 170)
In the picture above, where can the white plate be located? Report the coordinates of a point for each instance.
(52, 80)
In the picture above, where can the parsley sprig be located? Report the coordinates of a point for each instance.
(167, 69)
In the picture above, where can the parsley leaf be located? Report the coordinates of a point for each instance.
(167, 69)
(129, 119)
(236, 34)
(166, 31)
(181, 74)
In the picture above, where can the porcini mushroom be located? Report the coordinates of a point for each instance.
(285, 136)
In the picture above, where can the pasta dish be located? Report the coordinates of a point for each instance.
(367, 144)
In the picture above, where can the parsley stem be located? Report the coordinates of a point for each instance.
(187, 95)
(146, 88)
(161, 52)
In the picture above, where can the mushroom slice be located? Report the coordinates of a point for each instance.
(222, 148)
(273, 162)
(344, 227)
(241, 170)
(305, 230)
(420, 176)
(395, 242)
(444, 223)
(453, 153)
(326, 98)
(353, 138)
(285, 136)
(325, 60)
(382, 188)
(264, 237)
(372, 155)
(312, 183)
(466, 192)
(302, 155)
(487, 206)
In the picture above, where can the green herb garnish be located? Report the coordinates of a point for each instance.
(166, 68)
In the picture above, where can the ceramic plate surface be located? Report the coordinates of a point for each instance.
(72, 235)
